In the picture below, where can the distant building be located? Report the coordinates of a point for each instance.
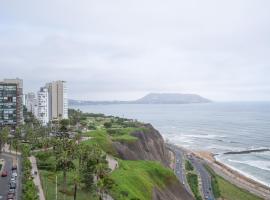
(58, 102)
(31, 103)
(11, 102)
(43, 105)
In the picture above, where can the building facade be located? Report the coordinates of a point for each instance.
(31, 103)
(11, 102)
(58, 100)
(43, 105)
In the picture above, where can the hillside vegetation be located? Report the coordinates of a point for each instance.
(101, 135)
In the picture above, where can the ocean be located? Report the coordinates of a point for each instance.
(215, 127)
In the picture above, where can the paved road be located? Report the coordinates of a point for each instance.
(4, 181)
(205, 178)
(180, 157)
(179, 167)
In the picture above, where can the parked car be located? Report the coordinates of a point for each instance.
(11, 191)
(14, 167)
(12, 185)
(9, 196)
(14, 173)
(4, 173)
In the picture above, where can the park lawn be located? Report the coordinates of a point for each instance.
(102, 139)
(125, 138)
(48, 185)
(137, 179)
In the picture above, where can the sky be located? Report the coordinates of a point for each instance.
(124, 49)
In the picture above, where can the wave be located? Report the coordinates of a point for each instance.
(264, 165)
(248, 175)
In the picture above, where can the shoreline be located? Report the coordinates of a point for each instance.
(230, 174)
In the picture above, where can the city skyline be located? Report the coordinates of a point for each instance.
(122, 51)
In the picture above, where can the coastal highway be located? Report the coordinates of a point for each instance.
(205, 178)
(180, 170)
(180, 156)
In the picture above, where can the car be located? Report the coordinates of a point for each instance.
(14, 167)
(14, 173)
(11, 191)
(13, 179)
(4, 173)
(9, 196)
(12, 185)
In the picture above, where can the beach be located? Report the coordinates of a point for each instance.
(233, 175)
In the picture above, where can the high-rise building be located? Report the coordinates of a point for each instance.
(31, 103)
(11, 102)
(58, 102)
(43, 105)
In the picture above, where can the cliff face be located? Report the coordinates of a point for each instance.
(149, 146)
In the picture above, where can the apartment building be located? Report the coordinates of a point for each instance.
(31, 103)
(11, 102)
(43, 105)
(58, 100)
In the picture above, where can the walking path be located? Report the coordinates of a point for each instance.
(36, 179)
(112, 162)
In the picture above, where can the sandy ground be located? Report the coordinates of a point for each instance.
(234, 176)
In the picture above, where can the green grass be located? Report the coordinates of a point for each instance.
(48, 181)
(102, 139)
(228, 190)
(124, 138)
(194, 185)
(188, 166)
(136, 179)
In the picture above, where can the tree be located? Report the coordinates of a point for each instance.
(107, 125)
(104, 185)
(4, 137)
(65, 154)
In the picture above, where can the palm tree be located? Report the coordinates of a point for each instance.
(65, 154)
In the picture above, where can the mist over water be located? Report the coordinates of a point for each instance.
(215, 127)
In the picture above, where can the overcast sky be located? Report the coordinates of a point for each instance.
(112, 49)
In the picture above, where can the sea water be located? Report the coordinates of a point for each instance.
(215, 127)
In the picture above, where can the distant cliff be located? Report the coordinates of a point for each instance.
(172, 98)
(152, 98)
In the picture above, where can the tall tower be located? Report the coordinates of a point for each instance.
(43, 105)
(58, 101)
(11, 102)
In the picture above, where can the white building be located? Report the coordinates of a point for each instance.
(43, 105)
(31, 103)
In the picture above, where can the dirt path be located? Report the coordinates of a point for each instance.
(113, 163)
(36, 179)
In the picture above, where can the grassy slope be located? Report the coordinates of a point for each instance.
(136, 179)
(104, 140)
(229, 191)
